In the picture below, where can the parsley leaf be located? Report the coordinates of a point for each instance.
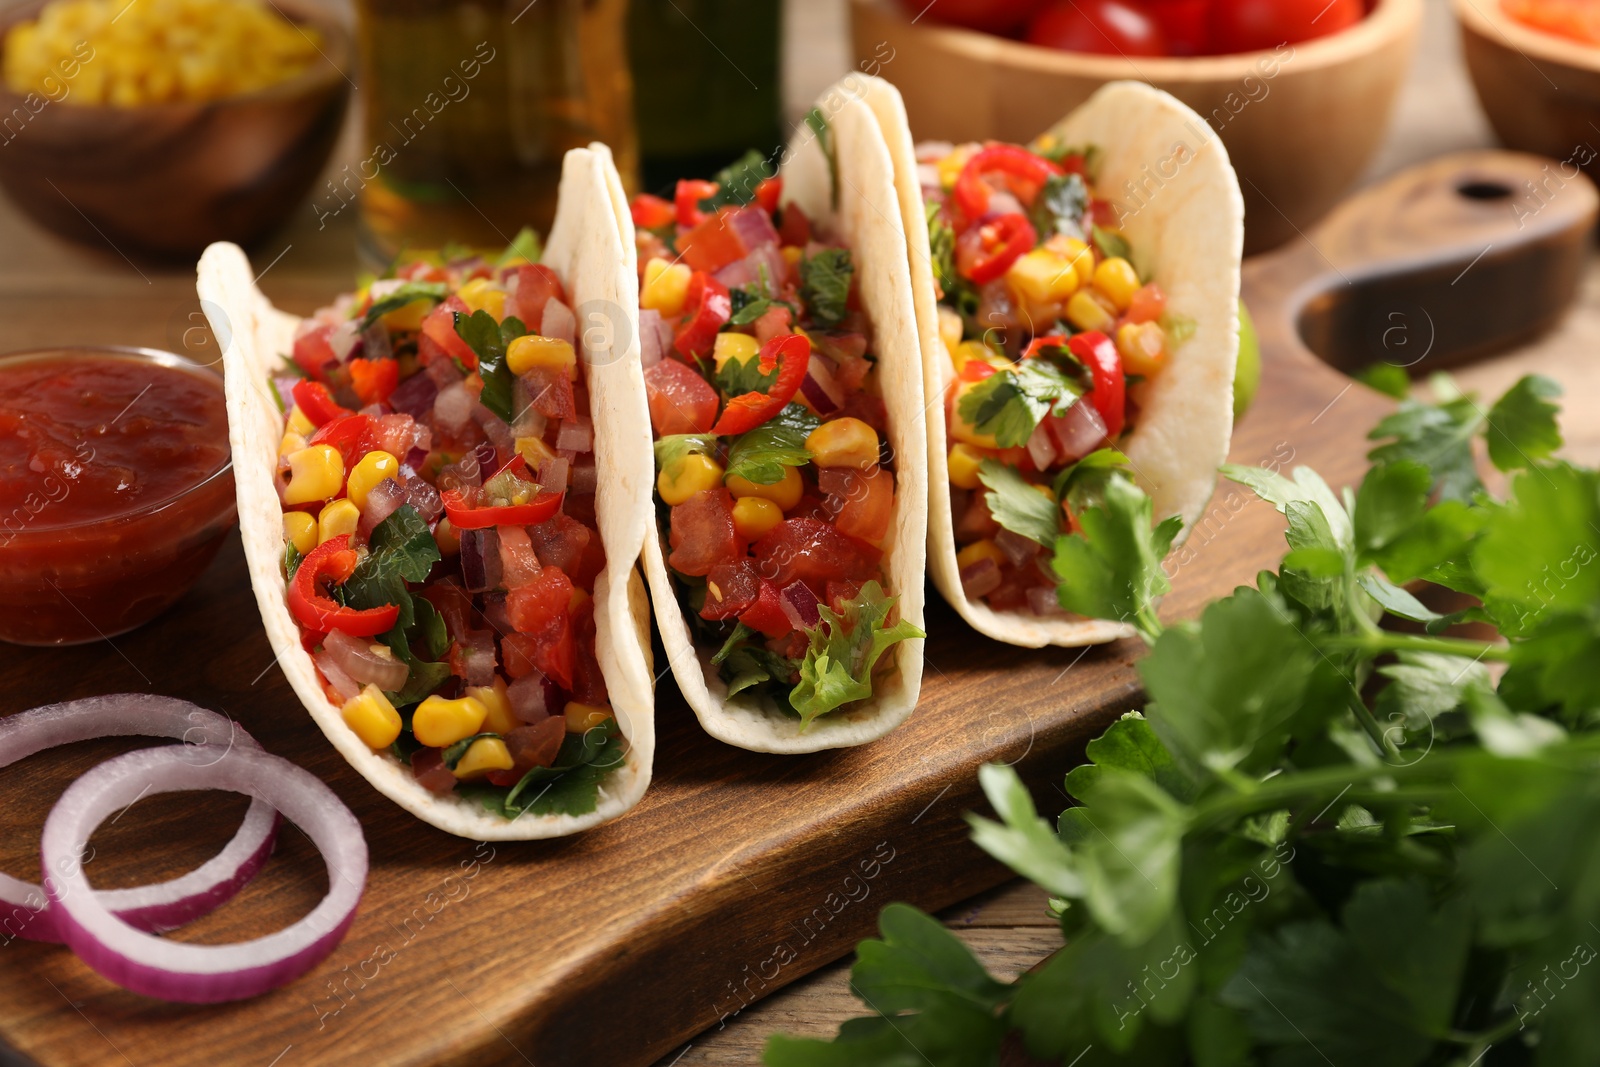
(1020, 506)
(1522, 424)
(401, 550)
(736, 183)
(1009, 404)
(488, 339)
(405, 294)
(844, 649)
(760, 455)
(942, 249)
(674, 447)
(1438, 436)
(1112, 568)
(1061, 207)
(737, 376)
(570, 786)
(825, 285)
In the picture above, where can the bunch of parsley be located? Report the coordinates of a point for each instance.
(1324, 841)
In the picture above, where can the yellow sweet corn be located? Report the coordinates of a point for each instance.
(482, 756)
(964, 463)
(785, 492)
(447, 537)
(374, 467)
(1042, 277)
(408, 317)
(300, 530)
(339, 518)
(1118, 281)
(299, 423)
(493, 697)
(372, 718)
(292, 442)
(534, 451)
(967, 351)
(844, 442)
(581, 717)
(754, 517)
(690, 475)
(665, 287)
(950, 329)
(526, 353)
(439, 723)
(316, 472)
(1088, 310)
(1079, 254)
(1143, 346)
(739, 346)
(480, 294)
(979, 551)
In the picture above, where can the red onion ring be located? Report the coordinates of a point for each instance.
(164, 905)
(191, 973)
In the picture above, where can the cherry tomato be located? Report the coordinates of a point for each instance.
(990, 16)
(1107, 27)
(1184, 23)
(864, 502)
(1257, 25)
(680, 400)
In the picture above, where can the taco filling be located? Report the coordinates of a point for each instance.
(775, 488)
(1053, 338)
(438, 484)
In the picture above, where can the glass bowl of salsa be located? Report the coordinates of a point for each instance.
(116, 488)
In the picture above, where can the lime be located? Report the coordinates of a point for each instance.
(1247, 377)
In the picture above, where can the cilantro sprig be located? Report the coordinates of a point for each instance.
(1323, 840)
(489, 339)
(1010, 403)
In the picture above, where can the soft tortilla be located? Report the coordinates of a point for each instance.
(868, 221)
(254, 336)
(1188, 237)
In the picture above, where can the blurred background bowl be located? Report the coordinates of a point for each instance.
(166, 180)
(1300, 124)
(1540, 91)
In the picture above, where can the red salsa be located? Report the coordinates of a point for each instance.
(110, 500)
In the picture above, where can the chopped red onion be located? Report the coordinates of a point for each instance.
(1043, 600)
(754, 228)
(415, 395)
(819, 387)
(576, 435)
(488, 460)
(553, 474)
(1002, 202)
(533, 697)
(425, 498)
(652, 345)
(1018, 549)
(336, 675)
(495, 612)
(477, 653)
(480, 560)
(284, 384)
(585, 478)
(383, 500)
(1078, 431)
(800, 604)
(162, 905)
(980, 579)
(384, 288)
(494, 427)
(366, 661)
(529, 421)
(375, 342)
(452, 411)
(1042, 447)
(181, 971)
(559, 322)
(343, 339)
(427, 764)
(763, 263)
(443, 370)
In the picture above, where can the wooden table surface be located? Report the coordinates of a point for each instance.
(50, 292)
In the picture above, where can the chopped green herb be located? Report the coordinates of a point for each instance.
(825, 285)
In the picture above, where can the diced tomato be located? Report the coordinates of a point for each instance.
(841, 593)
(976, 522)
(374, 379)
(794, 229)
(537, 285)
(530, 747)
(1109, 396)
(454, 604)
(702, 533)
(314, 400)
(313, 353)
(768, 193)
(519, 563)
(516, 655)
(440, 327)
(866, 407)
(686, 200)
(350, 434)
(1148, 305)
(420, 270)
(776, 321)
(396, 434)
(560, 541)
(652, 212)
(707, 308)
(865, 505)
(588, 681)
(976, 370)
(552, 393)
(766, 616)
(731, 589)
(714, 243)
(680, 400)
(540, 609)
(591, 563)
(814, 552)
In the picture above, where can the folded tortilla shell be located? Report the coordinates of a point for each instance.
(255, 337)
(868, 221)
(1187, 235)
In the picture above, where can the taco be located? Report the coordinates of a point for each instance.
(779, 359)
(447, 580)
(1069, 340)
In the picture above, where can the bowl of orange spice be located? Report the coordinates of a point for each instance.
(163, 125)
(1536, 67)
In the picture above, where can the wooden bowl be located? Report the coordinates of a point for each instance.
(1300, 124)
(1541, 92)
(166, 180)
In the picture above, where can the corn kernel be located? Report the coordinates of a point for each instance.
(298, 422)
(979, 551)
(1143, 347)
(439, 723)
(526, 353)
(690, 475)
(1088, 310)
(665, 288)
(447, 537)
(374, 467)
(754, 517)
(792, 255)
(739, 346)
(582, 717)
(1117, 279)
(950, 166)
(482, 756)
(964, 463)
(300, 530)
(292, 442)
(1042, 277)
(408, 317)
(960, 428)
(1079, 254)
(339, 518)
(535, 451)
(316, 472)
(493, 697)
(785, 492)
(480, 295)
(844, 442)
(950, 329)
(372, 718)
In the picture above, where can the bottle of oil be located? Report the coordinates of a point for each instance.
(470, 106)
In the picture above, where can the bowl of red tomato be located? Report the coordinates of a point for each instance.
(1536, 67)
(1300, 91)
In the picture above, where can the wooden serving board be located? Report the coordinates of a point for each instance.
(737, 874)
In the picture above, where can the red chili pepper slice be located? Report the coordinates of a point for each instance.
(350, 433)
(707, 308)
(1025, 173)
(374, 379)
(1110, 395)
(1039, 344)
(318, 404)
(464, 515)
(334, 560)
(791, 354)
(986, 250)
(768, 193)
(652, 212)
(686, 200)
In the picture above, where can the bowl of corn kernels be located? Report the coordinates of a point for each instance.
(159, 126)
